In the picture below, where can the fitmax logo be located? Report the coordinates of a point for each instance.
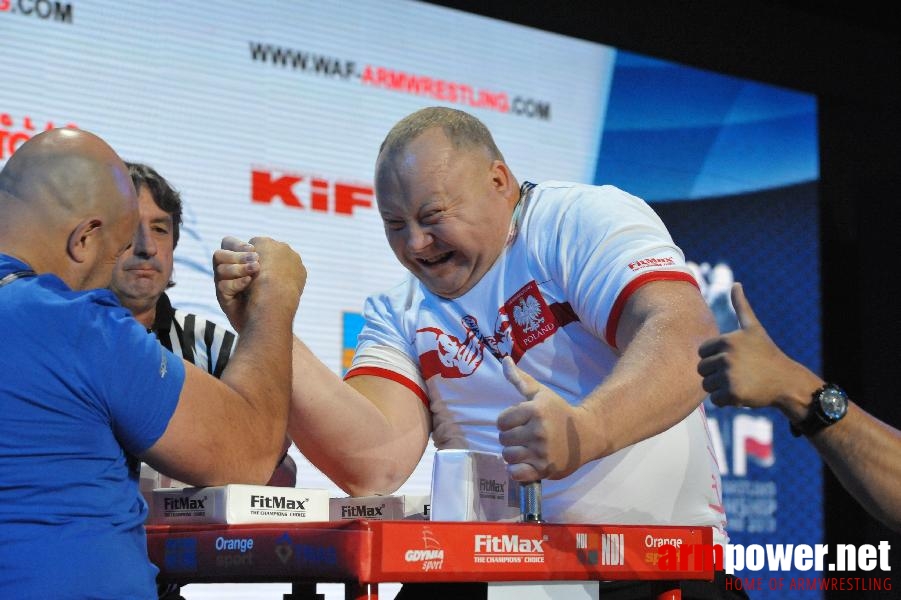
(490, 485)
(508, 543)
(184, 503)
(259, 501)
(362, 511)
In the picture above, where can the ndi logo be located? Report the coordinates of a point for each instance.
(613, 549)
(607, 548)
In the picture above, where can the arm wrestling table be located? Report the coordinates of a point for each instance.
(361, 554)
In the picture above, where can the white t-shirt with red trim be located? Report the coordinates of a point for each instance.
(552, 301)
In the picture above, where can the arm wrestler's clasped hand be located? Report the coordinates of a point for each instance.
(539, 435)
(260, 272)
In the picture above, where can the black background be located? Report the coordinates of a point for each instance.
(849, 56)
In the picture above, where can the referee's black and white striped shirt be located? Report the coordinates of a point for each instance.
(204, 343)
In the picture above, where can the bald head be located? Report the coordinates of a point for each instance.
(64, 168)
(65, 197)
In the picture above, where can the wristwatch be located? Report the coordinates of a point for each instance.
(830, 403)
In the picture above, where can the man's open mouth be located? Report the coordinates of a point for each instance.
(436, 260)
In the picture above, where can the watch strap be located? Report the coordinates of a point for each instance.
(816, 420)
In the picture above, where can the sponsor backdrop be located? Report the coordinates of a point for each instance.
(268, 116)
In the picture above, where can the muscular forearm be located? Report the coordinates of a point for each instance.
(263, 347)
(653, 387)
(231, 430)
(655, 383)
(865, 455)
(862, 451)
(362, 448)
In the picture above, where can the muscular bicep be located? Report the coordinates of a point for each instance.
(402, 408)
(202, 442)
(667, 311)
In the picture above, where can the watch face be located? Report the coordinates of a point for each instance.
(834, 403)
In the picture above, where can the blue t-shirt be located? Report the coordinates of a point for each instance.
(83, 389)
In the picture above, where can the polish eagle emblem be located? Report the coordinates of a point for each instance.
(527, 314)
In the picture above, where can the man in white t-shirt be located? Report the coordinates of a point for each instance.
(556, 323)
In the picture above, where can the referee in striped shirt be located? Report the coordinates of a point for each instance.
(144, 272)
